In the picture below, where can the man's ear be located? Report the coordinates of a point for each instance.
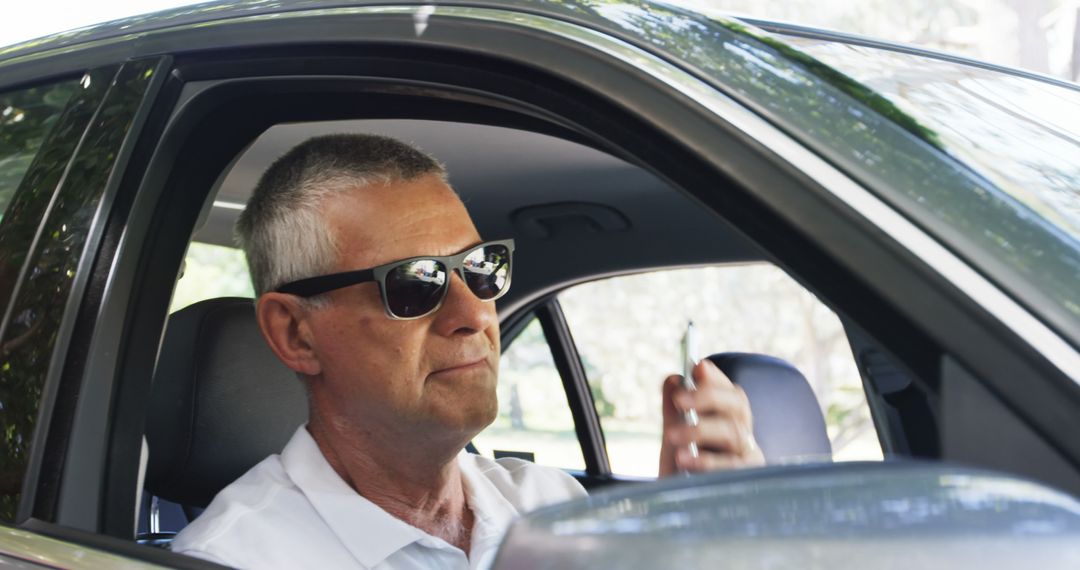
(284, 323)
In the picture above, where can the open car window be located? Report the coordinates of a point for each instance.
(627, 331)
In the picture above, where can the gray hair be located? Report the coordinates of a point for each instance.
(282, 229)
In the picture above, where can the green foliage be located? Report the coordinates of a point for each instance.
(839, 80)
(25, 118)
(27, 345)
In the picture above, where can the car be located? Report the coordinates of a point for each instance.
(653, 165)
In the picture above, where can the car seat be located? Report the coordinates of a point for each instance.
(221, 402)
(788, 423)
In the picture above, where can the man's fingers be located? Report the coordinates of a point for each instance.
(715, 393)
(723, 435)
(708, 373)
(714, 434)
(715, 401)
(672, 383)
(707, 461)
(671, 410)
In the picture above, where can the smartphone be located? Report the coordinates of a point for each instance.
(690, 358)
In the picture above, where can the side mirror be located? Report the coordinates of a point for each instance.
(843, 515)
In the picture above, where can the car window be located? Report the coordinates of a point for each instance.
(534, 420)
(211, 271)
(26, 115)
(628, 330)
(1021, 215)
(1014, 130)
(879, 121)
(54, 217)
(26, 118)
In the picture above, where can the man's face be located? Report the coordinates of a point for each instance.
(431, 377)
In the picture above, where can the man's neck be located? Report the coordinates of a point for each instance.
(423, 489)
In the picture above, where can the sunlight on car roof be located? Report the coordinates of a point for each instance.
(1022, 134)
(40, 19)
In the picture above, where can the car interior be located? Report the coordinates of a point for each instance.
(222, 402)
(587, 189)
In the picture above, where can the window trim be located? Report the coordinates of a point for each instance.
(578, 394)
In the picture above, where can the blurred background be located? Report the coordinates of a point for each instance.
(1038, 35)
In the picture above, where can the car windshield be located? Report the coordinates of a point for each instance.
(1021, 133)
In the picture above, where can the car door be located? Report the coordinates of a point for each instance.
(67, 142)
(617, 77)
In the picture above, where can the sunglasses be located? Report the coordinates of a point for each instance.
(416, 287)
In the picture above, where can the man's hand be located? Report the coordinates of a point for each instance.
(724, 434)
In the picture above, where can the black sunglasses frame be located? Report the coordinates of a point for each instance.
(312, 286)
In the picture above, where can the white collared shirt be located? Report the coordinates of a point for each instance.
(294, 511)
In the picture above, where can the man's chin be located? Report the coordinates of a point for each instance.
(470, 420)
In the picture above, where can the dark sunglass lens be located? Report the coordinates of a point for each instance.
(487, 271)
(415, 288)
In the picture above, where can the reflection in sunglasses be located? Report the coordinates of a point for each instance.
(412, 288)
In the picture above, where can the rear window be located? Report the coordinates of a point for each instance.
(627, 330)
(25, 118)
(211, 271)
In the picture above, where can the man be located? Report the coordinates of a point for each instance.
(400, 365)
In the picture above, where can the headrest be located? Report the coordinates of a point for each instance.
(221, 402)
(788, 424)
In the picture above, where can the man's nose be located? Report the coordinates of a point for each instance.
(462, 311)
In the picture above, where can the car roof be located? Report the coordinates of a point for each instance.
(610, 17)
(219, 11)
(500, 172)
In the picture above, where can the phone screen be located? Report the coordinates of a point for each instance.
(689, 355)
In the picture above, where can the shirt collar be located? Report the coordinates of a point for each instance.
(491, 511)
(367, 531)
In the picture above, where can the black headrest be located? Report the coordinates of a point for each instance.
(221, 402)
(788, 424)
